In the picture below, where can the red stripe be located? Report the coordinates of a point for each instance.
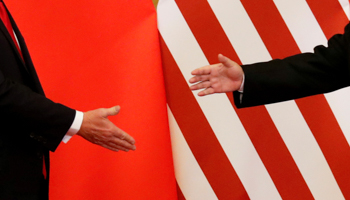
(315, 110)
(271, 28)
(322, 11)
(198, 133)
(256, 121)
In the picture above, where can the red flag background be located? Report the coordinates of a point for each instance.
(92, 54)
(291, 150)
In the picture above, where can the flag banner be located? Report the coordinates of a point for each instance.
(297, 149)
(92, 54)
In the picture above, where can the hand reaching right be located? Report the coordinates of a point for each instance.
(98, 129)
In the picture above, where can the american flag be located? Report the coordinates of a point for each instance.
(297, 149)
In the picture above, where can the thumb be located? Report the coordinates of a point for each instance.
(112, 111)
(224, 60)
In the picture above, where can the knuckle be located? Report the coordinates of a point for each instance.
(122, 136)
(106, 134)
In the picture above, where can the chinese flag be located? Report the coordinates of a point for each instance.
(92, 54)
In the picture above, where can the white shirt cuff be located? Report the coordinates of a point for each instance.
(75, 127)
(240, 90)
(242, 85)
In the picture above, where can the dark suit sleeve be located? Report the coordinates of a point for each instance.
(324, 70)
(45, 121)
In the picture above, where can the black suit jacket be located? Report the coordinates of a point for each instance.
(325, 70)
(30, 124)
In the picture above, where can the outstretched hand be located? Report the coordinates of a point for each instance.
(226, 76)
(98, 129)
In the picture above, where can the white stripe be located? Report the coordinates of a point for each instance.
(339, 100)
(339, 103)
(317, 180)
(240, 30)
(189, 175)
(216, 108)
(345, 5)
(301, 23)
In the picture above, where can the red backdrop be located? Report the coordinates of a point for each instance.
(92, 54)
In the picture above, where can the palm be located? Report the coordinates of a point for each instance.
(224, 79)
(226, 76)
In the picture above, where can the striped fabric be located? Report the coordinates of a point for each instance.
(297, 149)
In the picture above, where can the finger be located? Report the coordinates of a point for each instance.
(224, 60)
(120, 134)
(202, 70)
(200, 85)
(199, 78)
(118, 147)
(124, 136)
(112, 111)
(206, 92)
(121, 144)
(110, 147)
(115, 144)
